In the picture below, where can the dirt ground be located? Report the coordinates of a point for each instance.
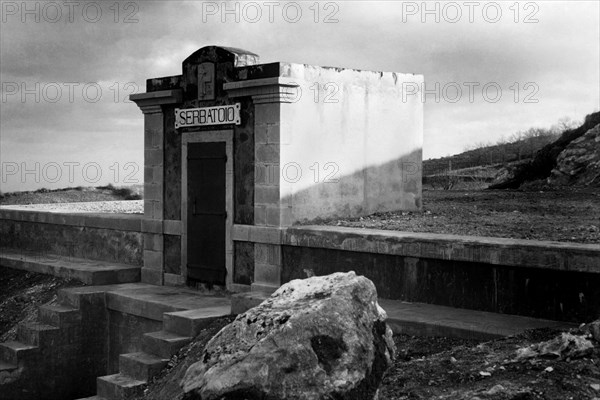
(449, 369)
(425, 367)
(565, 216)
(21, 293)
(439, 368)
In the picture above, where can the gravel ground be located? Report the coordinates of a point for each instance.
(566, 216)
(122, 207)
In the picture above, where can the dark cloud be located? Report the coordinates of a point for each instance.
(559, 54)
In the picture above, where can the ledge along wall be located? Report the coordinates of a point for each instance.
(103, 237)
(549, 280)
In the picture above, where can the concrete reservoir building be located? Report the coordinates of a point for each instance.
(236, 150)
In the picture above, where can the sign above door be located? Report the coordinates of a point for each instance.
(207, 116)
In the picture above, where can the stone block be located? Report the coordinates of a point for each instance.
(267, 254)
(286, 216)
(118, 387)
(242, 302)
(153, 259)
(174, 280)
(266, 195)
(267, 153)
(266, 174)
(172, 227)
(141, 366)
(260, 215)
(163, 344)
(153, 157)
(153, 191)
(263, 234)
(267, 113)
(153, 242)
(273, 216)
(191, 322)
(149, 208)
(153, 138)
(267, 274)
(158, 210)
(260, 134)
(273, 133)
(238, 288)
(153, 174)
(152, 276)
(152, 225)
(264, 288)
(241, 232)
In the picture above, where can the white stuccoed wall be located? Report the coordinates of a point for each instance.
(372, 137)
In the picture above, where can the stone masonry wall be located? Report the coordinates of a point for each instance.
(93, 238)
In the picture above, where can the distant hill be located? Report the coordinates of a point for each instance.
(546, 159)
(73, 194)
(504, 153)
(525, 157)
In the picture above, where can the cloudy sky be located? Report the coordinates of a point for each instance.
(67, 69)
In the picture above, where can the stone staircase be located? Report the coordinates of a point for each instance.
(69, 346)
(137, 369)
(39, 345)
(52, 328)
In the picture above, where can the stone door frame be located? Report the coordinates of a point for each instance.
(225, 135)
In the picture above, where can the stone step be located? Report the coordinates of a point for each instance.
(58, 315)
(4, 366)
(38, 334)
(421, 319)
(191, 322)
(118, 387)
(141, 366)
(90, 272)
(153, 301)
(13, 352)
(71, 297)
(163, 344)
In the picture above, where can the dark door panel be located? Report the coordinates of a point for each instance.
(206, 212)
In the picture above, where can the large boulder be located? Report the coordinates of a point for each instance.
(317, 338)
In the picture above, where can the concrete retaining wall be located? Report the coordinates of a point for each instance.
(104, 237)
(551, 280)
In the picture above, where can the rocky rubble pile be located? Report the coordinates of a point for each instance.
(579, 163)
(577, 148)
